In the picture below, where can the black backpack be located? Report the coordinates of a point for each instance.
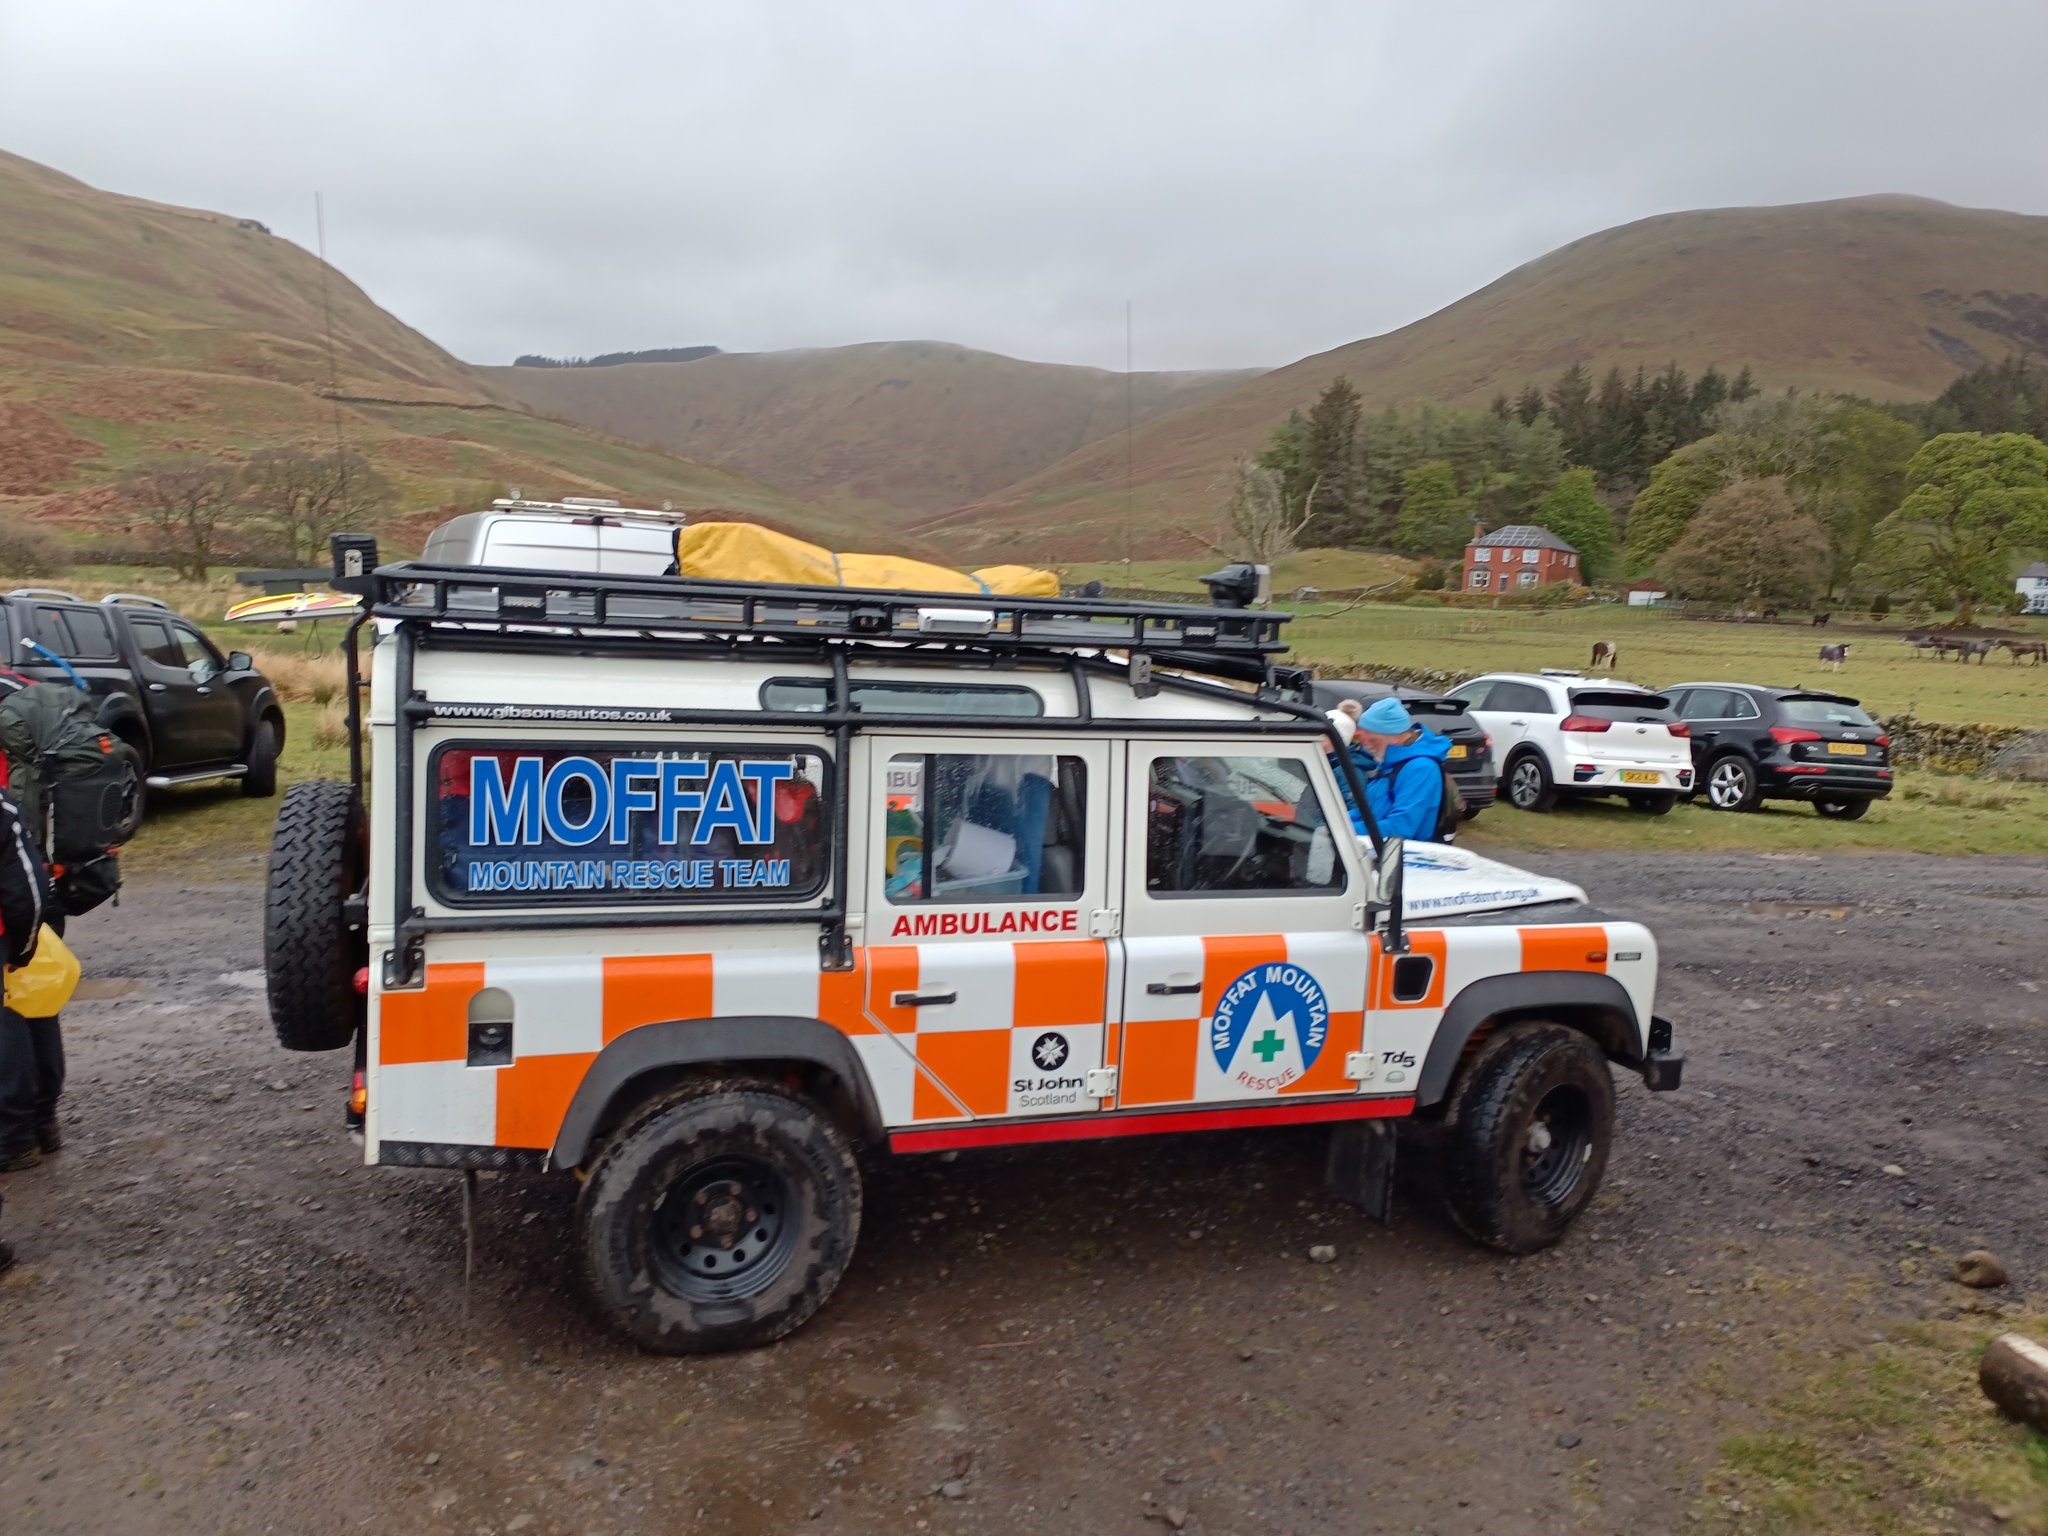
(71, 779)
(1450, 805)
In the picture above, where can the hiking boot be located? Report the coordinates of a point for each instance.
(20, 1162)
(49, 1137)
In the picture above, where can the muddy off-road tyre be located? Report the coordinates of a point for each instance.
(310, 956)
(1846, 808)
(1528, 1137)
(260, 782)
(134, 793)
(721, 1216)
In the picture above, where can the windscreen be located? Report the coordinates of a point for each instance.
(1620, 704)
(1817, 711)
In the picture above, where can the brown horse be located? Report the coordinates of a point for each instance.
(1605, 653)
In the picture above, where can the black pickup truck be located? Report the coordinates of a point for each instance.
(184, 711)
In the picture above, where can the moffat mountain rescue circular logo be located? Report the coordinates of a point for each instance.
(1269, 1027)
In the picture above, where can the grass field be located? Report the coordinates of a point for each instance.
(1659, 648)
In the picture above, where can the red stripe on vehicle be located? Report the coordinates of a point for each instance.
(1092, 1127)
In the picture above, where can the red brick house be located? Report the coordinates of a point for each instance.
(1517, 557)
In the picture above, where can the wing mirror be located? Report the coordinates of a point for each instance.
(1387, 877)
(240, 661)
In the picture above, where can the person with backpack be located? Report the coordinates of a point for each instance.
(1407, 784)
(31, 1056)
(67, 774)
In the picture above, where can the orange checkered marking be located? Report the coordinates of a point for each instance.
(534, 1094)
(432, 1023)
(1564, 949)
(1326, 1072)
(974, 1063)
(1226, 959)
(891, 968)
(842, 998)
(649, 989)
(1158, 1065)
(1060, 984)
(1423, 941)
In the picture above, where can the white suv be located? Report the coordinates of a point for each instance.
(1557, 733)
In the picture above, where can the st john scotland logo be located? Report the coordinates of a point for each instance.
(1269, 1027)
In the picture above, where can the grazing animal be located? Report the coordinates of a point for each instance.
(1924, 643)
(1605, 653)
(1835, 655)
(1979, 649)
(2038, 649)
(1820, 620)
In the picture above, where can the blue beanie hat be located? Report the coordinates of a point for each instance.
(1386, 717)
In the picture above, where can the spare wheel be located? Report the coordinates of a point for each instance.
(318, 856)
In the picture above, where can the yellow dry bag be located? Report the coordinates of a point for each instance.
(40, 989)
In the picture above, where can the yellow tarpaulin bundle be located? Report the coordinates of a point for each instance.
(745, 552)
(40, 989)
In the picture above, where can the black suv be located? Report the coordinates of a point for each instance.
(183, 711)
(1471, 759)
(1751, 744)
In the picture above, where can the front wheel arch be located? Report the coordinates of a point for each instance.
(1594, 1004)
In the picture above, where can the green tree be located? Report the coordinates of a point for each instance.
(1749, 546)
(1571, 407)
(1575, 513)
(1435, 519)
(1330, 463)
(1975, 504)
(1665, 508)
(1744, 387)
(1529, 405)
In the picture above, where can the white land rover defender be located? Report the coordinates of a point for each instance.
(693, 887)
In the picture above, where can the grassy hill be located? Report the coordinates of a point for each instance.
(1889, 297)
(894, 427)
(131, 331)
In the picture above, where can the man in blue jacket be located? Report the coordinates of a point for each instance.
(1404, 778)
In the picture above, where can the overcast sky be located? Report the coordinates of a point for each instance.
(1261, 179)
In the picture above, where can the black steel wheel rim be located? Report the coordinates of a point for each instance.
(726, 1229)
(1556, 1145)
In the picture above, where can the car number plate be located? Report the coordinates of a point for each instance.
(1638, 776)
(1847, 749)
(1457, 749)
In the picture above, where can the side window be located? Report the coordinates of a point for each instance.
(153, 638)
(1235, 826)
(1706, 704)
(91, 635)
(51, 632)
(1520, 698)
(1474, 694)
(984, 827)
(198, 652)
(1743, 707)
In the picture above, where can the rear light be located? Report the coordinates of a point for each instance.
(1486, 741)
(362, 981)
(358, 1095)
(1584, 723)
(1679, 729)
(1884, 741)
(1785, 735)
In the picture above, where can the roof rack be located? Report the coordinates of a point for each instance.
(136, 600)
(56, 593)
(661, 610)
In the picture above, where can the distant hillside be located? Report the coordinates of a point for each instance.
(1888, 297)
(613, 359)
(130, 331)
(894, 427)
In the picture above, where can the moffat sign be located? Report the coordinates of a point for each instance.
(945, 925)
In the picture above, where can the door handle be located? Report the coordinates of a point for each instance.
(159, 687)
(925, 999)
(205, 690)
(1172, 988)
(1523, 723)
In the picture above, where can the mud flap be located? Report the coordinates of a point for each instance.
(1360, 1166)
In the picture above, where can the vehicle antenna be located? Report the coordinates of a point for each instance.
(327, 317)
(1129, 413)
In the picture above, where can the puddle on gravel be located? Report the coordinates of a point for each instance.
(105, 988)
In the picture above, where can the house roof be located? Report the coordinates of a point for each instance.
(1523, 536)
(2038, 571)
